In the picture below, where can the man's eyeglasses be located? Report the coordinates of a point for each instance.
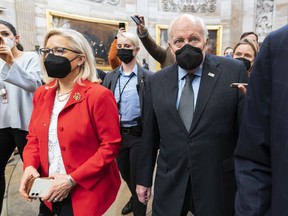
(58, 51)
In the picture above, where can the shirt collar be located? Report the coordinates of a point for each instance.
(135, 70)
(182, 72)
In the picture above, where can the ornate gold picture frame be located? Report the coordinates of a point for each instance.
(99, 32)
(214, 44)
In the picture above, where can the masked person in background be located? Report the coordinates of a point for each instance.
(245, 50)
(19, 78)
(128, 83)
(195, 166)
(228, 52)
(69, 138)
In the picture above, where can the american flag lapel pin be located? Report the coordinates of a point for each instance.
(211, 74)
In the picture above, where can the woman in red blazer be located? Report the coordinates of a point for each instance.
(74, 133)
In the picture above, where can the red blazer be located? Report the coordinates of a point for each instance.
(89, 137)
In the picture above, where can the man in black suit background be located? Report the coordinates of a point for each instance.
(195, 166)
(262, 151)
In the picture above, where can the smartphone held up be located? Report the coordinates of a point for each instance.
(136, 19)
(235, 85)
(122, 25)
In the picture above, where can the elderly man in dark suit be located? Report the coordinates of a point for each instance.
(262, 151)
(195, 167)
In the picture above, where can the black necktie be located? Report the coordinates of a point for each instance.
(186, 104)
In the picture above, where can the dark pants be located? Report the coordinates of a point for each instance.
(188, 204)
(9, 139)
(127, 163)
(44, 210)
(63, 208)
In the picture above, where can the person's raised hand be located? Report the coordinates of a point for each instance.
(120, 32)
(5, 52)
(141, 27)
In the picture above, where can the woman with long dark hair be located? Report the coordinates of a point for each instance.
(19, 78)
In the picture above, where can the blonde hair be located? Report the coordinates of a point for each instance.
(248, 42)
(78, 43)
(131, 37)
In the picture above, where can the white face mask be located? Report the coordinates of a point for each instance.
(9, 42)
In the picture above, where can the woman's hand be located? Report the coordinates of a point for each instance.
(29, 173)
(143, 193)
(120, 31)
(60, 189)
(6, 53)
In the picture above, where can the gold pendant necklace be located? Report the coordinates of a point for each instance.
(64, 96)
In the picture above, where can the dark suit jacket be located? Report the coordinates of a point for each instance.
(111, 78)
(205, 153)
(262, 151)
(101, 74)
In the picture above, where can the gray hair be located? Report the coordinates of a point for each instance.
(194, 19)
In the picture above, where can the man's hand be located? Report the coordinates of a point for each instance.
(143, 193)
(243, 89)
(141, 28)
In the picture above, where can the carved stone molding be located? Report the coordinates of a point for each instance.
(112, 2)
(194, 6)
(264, 18)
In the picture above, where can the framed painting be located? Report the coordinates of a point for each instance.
(99, 32)
(214, 44)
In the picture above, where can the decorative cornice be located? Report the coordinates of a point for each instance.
(194, 6)
(112, 2)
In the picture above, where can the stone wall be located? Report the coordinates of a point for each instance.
(235, 17)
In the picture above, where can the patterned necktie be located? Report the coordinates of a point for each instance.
(186, 104)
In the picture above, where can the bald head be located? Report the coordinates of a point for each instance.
(185, 21)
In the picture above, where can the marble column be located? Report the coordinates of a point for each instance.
(236, 21)
(25, 19)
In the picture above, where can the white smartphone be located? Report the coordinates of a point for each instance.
(235, 85)
(40, 187)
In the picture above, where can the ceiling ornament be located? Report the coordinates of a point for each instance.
(194, 6)
(112, 2)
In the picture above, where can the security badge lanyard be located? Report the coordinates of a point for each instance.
(121, 92)
(3, 93)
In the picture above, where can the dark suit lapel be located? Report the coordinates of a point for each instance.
(141, 86)
(210, 75)
(170, 86)
(114, 79)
